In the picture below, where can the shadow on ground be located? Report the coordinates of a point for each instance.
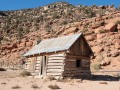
(104, 78)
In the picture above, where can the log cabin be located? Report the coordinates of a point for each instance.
(67, 56)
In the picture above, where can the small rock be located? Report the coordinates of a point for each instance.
(112, 27)
(105, 63)
(115, 54)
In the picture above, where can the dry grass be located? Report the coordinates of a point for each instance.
(25, 73)
(3, 83)
(103, 83)
(54, 87)
(51, 78)
(16, 87)
(35, 86)
(68, 79)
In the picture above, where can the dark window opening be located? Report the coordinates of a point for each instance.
(78, 63)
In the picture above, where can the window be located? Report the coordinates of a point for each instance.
(78, 63)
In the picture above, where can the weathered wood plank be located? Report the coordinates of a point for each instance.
(51, 67)
(80, 70)
(54, 70)
(57, 55)
(37, 70)
(55, 61)
(76, 57)
(37, 67)
(55, 64)
(56, 58)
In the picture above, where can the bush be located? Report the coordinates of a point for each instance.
(54, 87)
(96, 67)
(64, 22)
(2, 69)
(101, 31)
(3, 83)
(25, 73)
(16, 87)
(35, 86)
(51, 78)
(103, 83)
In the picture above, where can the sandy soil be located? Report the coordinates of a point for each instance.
(9, 79)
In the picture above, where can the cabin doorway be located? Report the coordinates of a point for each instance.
(43, 64)
(32, 64)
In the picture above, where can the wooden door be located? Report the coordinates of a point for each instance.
(43, 64)
(32, 64)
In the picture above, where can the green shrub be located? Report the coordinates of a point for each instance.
(96, 67)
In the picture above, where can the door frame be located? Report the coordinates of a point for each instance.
(43, 65)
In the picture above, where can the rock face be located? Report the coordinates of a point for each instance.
(22, 28)
(112, 27)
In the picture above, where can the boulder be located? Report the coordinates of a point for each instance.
(117, 45)
(22, 44)
(100, 30)
(95, 26)
(71, 30)
(97, 49)
(115, 54)
(118, 26)
(112, 27)
(100, 36)
(29, 44)
(90, 37)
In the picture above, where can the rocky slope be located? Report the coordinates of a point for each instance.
(21, 29)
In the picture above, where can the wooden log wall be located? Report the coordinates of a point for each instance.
(29, 63)
(38, 63)
(55, 65)
(34, 64)
(70, 69)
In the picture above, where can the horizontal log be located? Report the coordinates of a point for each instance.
(76, 57)
(54, 70)
(37, 67)
(57, 55)
(36, 70)
(56, 58)
(51, 67)
(52, 61)
(72, 68)
(55, 64)
(74, 74)
(39, 59)
(72, 60)
(38, 63)
(80, 70)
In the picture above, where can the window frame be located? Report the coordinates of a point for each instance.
(78, 63)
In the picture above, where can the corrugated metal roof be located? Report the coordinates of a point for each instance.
(53, 45)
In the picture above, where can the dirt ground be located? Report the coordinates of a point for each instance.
(11, 80)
